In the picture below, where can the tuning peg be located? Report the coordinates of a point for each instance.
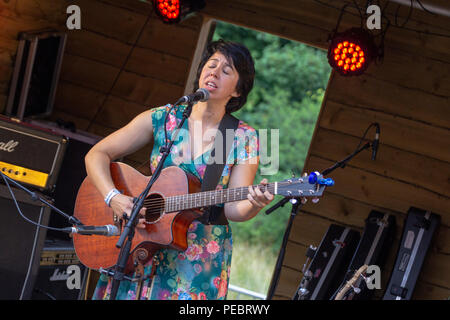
(304, 175)
(313, 177)
(328, 182)
(356, 289)
(293, 174)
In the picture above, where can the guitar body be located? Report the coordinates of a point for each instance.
(168, 231)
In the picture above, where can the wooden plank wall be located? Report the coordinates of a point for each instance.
(123, 61)
(408, 95)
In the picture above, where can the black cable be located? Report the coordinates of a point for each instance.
(359, 11)
(365, 133)
(425, 9)
(407, 18)
(20, 211)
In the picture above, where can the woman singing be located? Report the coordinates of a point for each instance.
(202, 271)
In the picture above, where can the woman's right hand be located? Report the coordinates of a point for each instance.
(123, 205)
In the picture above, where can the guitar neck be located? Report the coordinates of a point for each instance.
(209, 198)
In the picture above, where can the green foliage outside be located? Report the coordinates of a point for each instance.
(290, 81)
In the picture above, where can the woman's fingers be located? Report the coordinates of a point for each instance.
(258, 197)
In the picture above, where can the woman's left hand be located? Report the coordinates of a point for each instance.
(260, 198)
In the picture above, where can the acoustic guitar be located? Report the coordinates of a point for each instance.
(171, 205)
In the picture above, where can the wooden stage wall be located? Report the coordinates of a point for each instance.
(124, 61)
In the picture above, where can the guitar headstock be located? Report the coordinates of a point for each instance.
(305, 186)
(351, 282)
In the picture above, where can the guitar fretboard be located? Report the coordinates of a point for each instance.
(209, 198)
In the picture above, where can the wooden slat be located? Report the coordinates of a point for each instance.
(78, 101)
(288, 282)
(145, 90)
(98, 47)
(138, 6)
(80, 123)
(407, 69)
(100, 130)
(114, 22)
(398, 132)
(158, 65)
(116, 112)
(169, 38)
(88, 73)
(3, 99)
(426, 291)
(41, 11)
(384, 96)
(379, 191)
(390, 162)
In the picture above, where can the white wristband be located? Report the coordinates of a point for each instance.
(110, 195)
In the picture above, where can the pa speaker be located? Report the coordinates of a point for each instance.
(21, 243)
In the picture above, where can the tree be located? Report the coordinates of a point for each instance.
(290, 82)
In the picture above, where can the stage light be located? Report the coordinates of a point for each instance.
(174, 11)
(350, 52)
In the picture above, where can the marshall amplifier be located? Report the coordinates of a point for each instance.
(418, 231)
(328, 264)
(30, 154)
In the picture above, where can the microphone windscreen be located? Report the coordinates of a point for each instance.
(205, 94)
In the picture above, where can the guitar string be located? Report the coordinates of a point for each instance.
(155, 204)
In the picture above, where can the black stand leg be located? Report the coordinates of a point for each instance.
(120, 267)
(273, 284)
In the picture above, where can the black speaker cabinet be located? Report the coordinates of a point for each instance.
(36, 73)
(61, 276)
(21, 243)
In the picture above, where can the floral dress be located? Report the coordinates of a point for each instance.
(202, 271)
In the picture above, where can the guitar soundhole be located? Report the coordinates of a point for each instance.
(155, 208)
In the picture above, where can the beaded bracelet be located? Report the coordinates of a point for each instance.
(110, 195)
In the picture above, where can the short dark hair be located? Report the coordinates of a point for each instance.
(243, 63)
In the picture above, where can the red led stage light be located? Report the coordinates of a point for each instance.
(351, 51)
(174, 11)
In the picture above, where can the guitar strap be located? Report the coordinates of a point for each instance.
(213, 172)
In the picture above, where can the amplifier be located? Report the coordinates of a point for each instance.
(59, 262)
(30, 154)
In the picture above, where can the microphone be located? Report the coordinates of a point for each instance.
(107, 230)
(200, 95)
(375, 142)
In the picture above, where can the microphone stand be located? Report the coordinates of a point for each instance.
(35, 197)
(295, 209)
(126, 237)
